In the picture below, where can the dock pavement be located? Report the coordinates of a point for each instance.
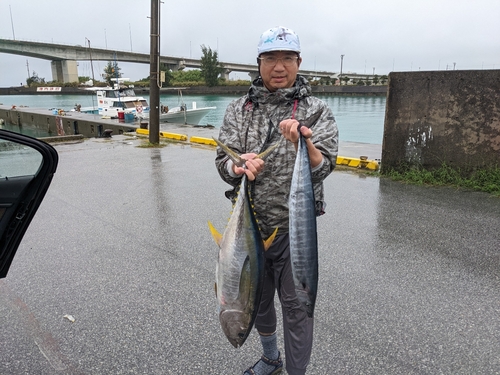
(116, 272)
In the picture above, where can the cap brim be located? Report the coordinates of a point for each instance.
(279, 50)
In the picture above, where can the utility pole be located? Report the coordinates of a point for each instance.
(341, 63)
(154, 88)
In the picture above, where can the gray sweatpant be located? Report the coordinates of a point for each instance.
(297, 326)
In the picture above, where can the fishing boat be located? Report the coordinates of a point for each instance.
(180, 114)
(114, 101)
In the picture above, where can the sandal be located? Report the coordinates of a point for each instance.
(277, 363)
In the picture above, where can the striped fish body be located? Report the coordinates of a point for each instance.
(303, 234)
(239, 270)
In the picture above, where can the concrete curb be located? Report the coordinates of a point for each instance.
(358, 163)
(63, 138)
(180, 137)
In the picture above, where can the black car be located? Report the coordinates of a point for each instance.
(27, 166)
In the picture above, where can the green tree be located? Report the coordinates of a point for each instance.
(112, 70)
(83, 79)
(193, 75)
(376, 80)
(210, 66)
(346, 80)
(168, 75)
(34, 80)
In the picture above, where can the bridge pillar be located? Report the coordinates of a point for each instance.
(253, 75)
(64, 71)
(225, 74)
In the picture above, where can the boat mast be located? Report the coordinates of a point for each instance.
(91, 65)
(117, 81)
(12, 23)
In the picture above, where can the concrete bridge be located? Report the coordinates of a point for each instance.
(64, 59)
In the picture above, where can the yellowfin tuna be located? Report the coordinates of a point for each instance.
(240, 265)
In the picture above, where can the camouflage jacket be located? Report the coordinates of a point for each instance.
(251, 124)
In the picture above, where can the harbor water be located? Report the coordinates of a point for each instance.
(359, 118)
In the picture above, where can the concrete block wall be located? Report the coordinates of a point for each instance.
(56, 125)
(442, 116)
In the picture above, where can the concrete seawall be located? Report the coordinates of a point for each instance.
(438, 117)
(69, 123)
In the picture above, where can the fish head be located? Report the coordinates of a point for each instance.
(235, 325)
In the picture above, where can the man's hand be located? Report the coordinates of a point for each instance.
(253, 166)
(289, 130)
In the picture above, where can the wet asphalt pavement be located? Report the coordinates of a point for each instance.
(409, 276)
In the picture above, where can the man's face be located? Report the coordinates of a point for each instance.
(278, 69)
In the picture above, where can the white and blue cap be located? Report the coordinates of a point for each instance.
(278, 39)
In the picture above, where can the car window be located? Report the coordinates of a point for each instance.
(18, 160)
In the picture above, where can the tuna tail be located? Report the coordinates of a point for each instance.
(215, 234)
(237, 159)
(266, 152)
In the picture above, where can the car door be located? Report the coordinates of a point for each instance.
(27, 166)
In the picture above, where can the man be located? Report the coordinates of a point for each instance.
(270, 113)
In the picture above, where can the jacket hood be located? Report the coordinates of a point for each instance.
(258, 93)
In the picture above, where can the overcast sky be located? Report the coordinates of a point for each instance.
(373, 35)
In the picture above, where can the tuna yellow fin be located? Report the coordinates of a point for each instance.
(269, 241)
(216, 235)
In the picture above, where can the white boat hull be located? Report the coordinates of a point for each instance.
(191, 116)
